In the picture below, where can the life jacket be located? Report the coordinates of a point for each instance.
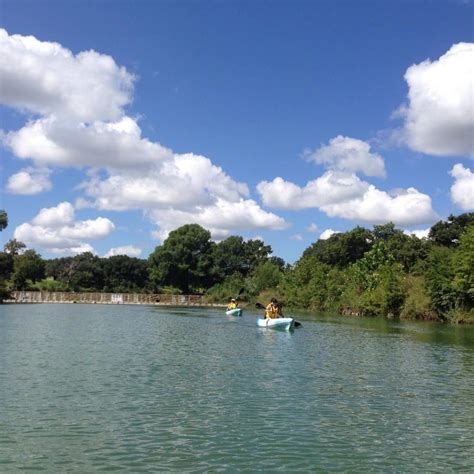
(271, 311)
(231, 305)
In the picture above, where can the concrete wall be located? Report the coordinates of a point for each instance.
(103, 298)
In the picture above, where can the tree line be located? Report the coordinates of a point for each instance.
(378, 272)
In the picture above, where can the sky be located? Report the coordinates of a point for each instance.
(281, 120)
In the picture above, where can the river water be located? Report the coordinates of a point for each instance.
(134, 388)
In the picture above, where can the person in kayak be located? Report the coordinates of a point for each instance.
(232, 305)
(273, 310)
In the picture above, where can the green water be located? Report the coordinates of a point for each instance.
(133, 388)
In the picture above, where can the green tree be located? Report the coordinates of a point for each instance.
(379, 282)
(125, 274)
(264, 276)
(3, 219)
(79, 273)
(463, 269)
(230, 256)
(6, 265)
(27, 266)
(184, 260)
(14, 247)
(343, 248)
(439, 278)
(449, 232)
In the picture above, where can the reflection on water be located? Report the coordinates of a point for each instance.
(85, 388)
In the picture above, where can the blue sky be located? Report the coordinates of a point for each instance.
(250, 118)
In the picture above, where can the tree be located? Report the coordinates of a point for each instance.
(6, 265)
(124, 274)
(230, 256)
(3, 219)
(343, 248)
(463, 269)
(184, 260)
(439, 278)
(448, 232)
(14, 247)
(27, 266)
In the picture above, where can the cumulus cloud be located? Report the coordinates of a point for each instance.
(312, 227)
(57, 216)
(29, 181)
(343, 194)
(404, 208)
(439, 116)
(81, 100)
(48, 79)
(55, 230)
(462, 191)
(115, 145)
(348, 154)
(220, 218)
(330, 188)
(184, 181)
(327, 233)
(129, 250)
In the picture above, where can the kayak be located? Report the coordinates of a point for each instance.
(234, 312)
(277, 323)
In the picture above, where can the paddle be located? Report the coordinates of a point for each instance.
(260, 306)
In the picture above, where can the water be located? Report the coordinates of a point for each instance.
(133, 388)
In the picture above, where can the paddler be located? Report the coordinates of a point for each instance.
(273, 309)
(232, 305)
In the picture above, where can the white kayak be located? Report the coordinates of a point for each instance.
(234, 312)
(277, 323)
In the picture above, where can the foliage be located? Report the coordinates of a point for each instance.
(265, 275)
(124, 274)
(417, 303)
(223, 291)
(48, 284)
(14, 247)
(463, 269)
(82, 272)
(343, 248)
(439, 277)
(448, 233)
(27, 266)
(184, 260)
(3, 219)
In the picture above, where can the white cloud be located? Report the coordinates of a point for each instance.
(184, 181)
(404, 208)
(439, 116)
(116, 145)
(54, 229)
(296, 237)
(327, 233)
(330, 188)
(420, 233)
(348, 154)
(29, 181)
(462, 191)
(82, 123)
(129, 250)
(312, 227)
(57, 216)
(220, 218)
(48, 79)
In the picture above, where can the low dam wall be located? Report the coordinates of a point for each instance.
(105, 298)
